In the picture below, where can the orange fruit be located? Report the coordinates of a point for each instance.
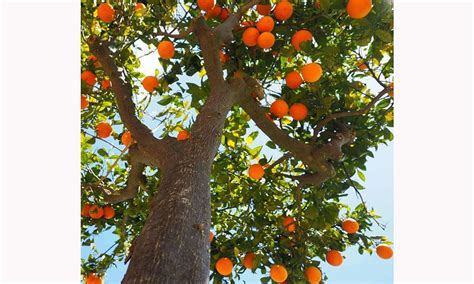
(222, 57)
(105, 84)
(214, 12)
(384, 251)
(109, 212)
(127, 139)
(266, 40)
(96, 212)
(298, 111)
(311, 72)
(361, 65)
(334, 257)
(150, 83)
(283, 11)
(248, 260)
(256, 171)
(358, 9)
(84, 102)
(89, 78)
(183, 135)
(278, 273)
(211, 236)
(265, 24)
(224, 14)
(166, 49)
(313, 274)
(293, 80)
(299, 37)
(92, 58)
(103, 129)
(350, 226)
(264, 9)
(206, 5)
(85, 210)
(250, 36)
(92, 278)
(106, 12)
(239, 74)
(391, 90)
(289, 223)
(139, 6)
(224, 266)
(279, 108)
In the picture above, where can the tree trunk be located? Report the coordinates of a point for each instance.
(173, 246)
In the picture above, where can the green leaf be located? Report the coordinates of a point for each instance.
(384, 35)
(165, 100)
(361, 175)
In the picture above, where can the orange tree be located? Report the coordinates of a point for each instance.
(168, 161)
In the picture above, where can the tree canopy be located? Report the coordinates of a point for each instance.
(292, 216)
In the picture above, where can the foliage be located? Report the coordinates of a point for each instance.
(246, 214)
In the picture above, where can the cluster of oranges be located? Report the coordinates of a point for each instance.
(106, 12)
(96, 212)
(104, 130)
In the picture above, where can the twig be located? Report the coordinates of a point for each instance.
(280, 160)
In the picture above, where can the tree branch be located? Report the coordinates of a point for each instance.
(224, 30)
(333, 116)
(123, 94)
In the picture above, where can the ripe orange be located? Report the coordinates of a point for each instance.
(85, 210)
(289, 223)
(105, 84)
(222, 56)
(96, 212)
(265, 24)
(84, 102)
(299, 37)
(248, 260)
(166, 49)
(92, 58)
(103, 129)
(334, 257)
(313, 274)
(350, 226)
(283, 10)
(139, 6)
(256, 171)
(278, 273)
(106, 12)
(293, 80)
(224, 266)
(92, 278)
(127, 139)
(224, 14)
(361, 65)
(391, 90)
(89, 78)
(250, 36)
(150, 83)
(384, 251)
(109, 212)
(183, 135)
(358, 9)
(311, 72)
(215, 11)
(298, 111)
(266, 40)
(206, 5)
(264, 9)
(211, 236)
(279, 108)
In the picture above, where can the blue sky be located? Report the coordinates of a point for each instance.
(378, 194)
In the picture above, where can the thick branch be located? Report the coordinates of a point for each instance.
(123, 94)
(210, 52)
(224, 30)
(333, 116)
